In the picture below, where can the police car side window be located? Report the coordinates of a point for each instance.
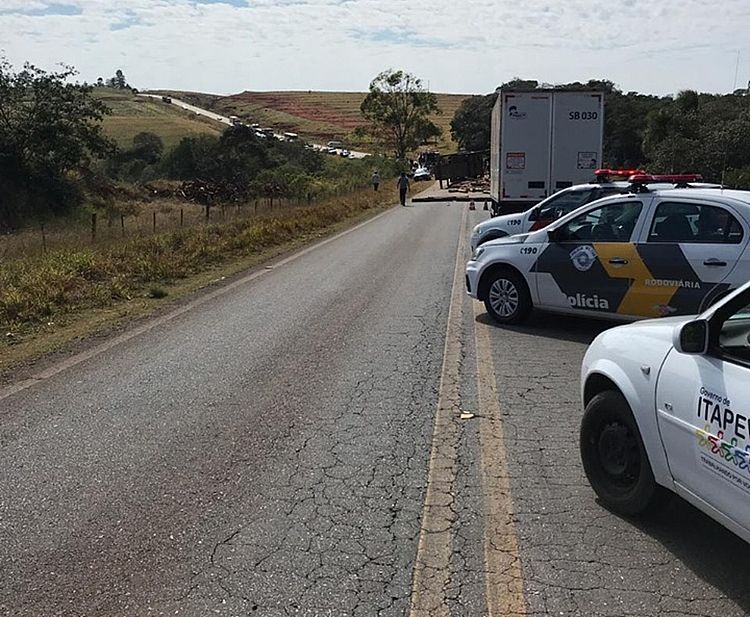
(611, 223)
(676, 222)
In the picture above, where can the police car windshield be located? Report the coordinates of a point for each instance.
(564, 203)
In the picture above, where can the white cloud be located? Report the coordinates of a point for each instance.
(466, 46)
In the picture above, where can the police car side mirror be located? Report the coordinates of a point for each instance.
(553, 235)
(692, 337)
(534, 215)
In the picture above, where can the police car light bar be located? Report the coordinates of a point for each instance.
(672, 178)
(618, 173)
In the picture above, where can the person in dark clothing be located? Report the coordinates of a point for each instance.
(403, 187)
(375, 180)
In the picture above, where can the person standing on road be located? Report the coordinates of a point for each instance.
(375, 180)
(403, 187)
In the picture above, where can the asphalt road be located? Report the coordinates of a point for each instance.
(225, 120)
(341, 434)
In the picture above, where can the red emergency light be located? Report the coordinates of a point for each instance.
(618, 173)
(672, 178)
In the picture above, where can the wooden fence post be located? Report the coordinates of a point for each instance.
(182, 217)
(122, 224)
(154, 213)
(93, 226)
(44, 238)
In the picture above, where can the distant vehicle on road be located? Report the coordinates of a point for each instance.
(666, 411)
(291, 137)
(345, 153)
(330, 150)
(234, 120)
(421, 174)
(267, 132)
(166, 99)
(650, 253)
(334, 145)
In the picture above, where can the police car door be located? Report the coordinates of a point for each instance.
(588, 263)
(703, 407)
(690, 248)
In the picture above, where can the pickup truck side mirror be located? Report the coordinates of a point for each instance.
(692, 337)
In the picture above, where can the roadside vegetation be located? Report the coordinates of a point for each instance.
(690, 132)
(95, 215)
(39, 290)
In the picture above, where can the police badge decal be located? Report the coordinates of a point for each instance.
(583, 257)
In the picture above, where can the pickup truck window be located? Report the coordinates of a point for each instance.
(734, 337)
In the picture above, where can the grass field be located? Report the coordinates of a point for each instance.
(133, 114)
(317, 116)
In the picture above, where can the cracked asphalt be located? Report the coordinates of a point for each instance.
(273, 452)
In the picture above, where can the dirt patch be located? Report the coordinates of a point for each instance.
(294, 105)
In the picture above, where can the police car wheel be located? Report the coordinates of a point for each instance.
(615, 459)
(508, 300)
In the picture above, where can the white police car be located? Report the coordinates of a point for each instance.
(667, 410)
(646, 254)
(565, 201)
(544, 213)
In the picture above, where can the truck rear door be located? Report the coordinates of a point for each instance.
(526, 135)
(577, 121)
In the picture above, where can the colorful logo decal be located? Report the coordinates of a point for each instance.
(719, 453)
(583, 257)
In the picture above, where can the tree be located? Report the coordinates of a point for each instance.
(470, 126)
(50, 130)
(148, 147)
(398, 108)
(120, 80)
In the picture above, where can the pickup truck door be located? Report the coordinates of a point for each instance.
(703, 410)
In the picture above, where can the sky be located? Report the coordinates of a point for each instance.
(462, 46)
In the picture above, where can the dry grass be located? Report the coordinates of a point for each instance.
(142, 219)
(35, 292)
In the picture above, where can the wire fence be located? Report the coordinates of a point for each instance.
(142, 219)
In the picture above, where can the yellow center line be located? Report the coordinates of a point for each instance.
(503, 575)
(432, 565)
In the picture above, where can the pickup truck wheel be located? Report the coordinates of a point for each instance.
(508, 300)
(615, 460)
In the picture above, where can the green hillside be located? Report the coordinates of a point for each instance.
(132, 114)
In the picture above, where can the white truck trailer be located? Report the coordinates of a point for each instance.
(543, 141)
